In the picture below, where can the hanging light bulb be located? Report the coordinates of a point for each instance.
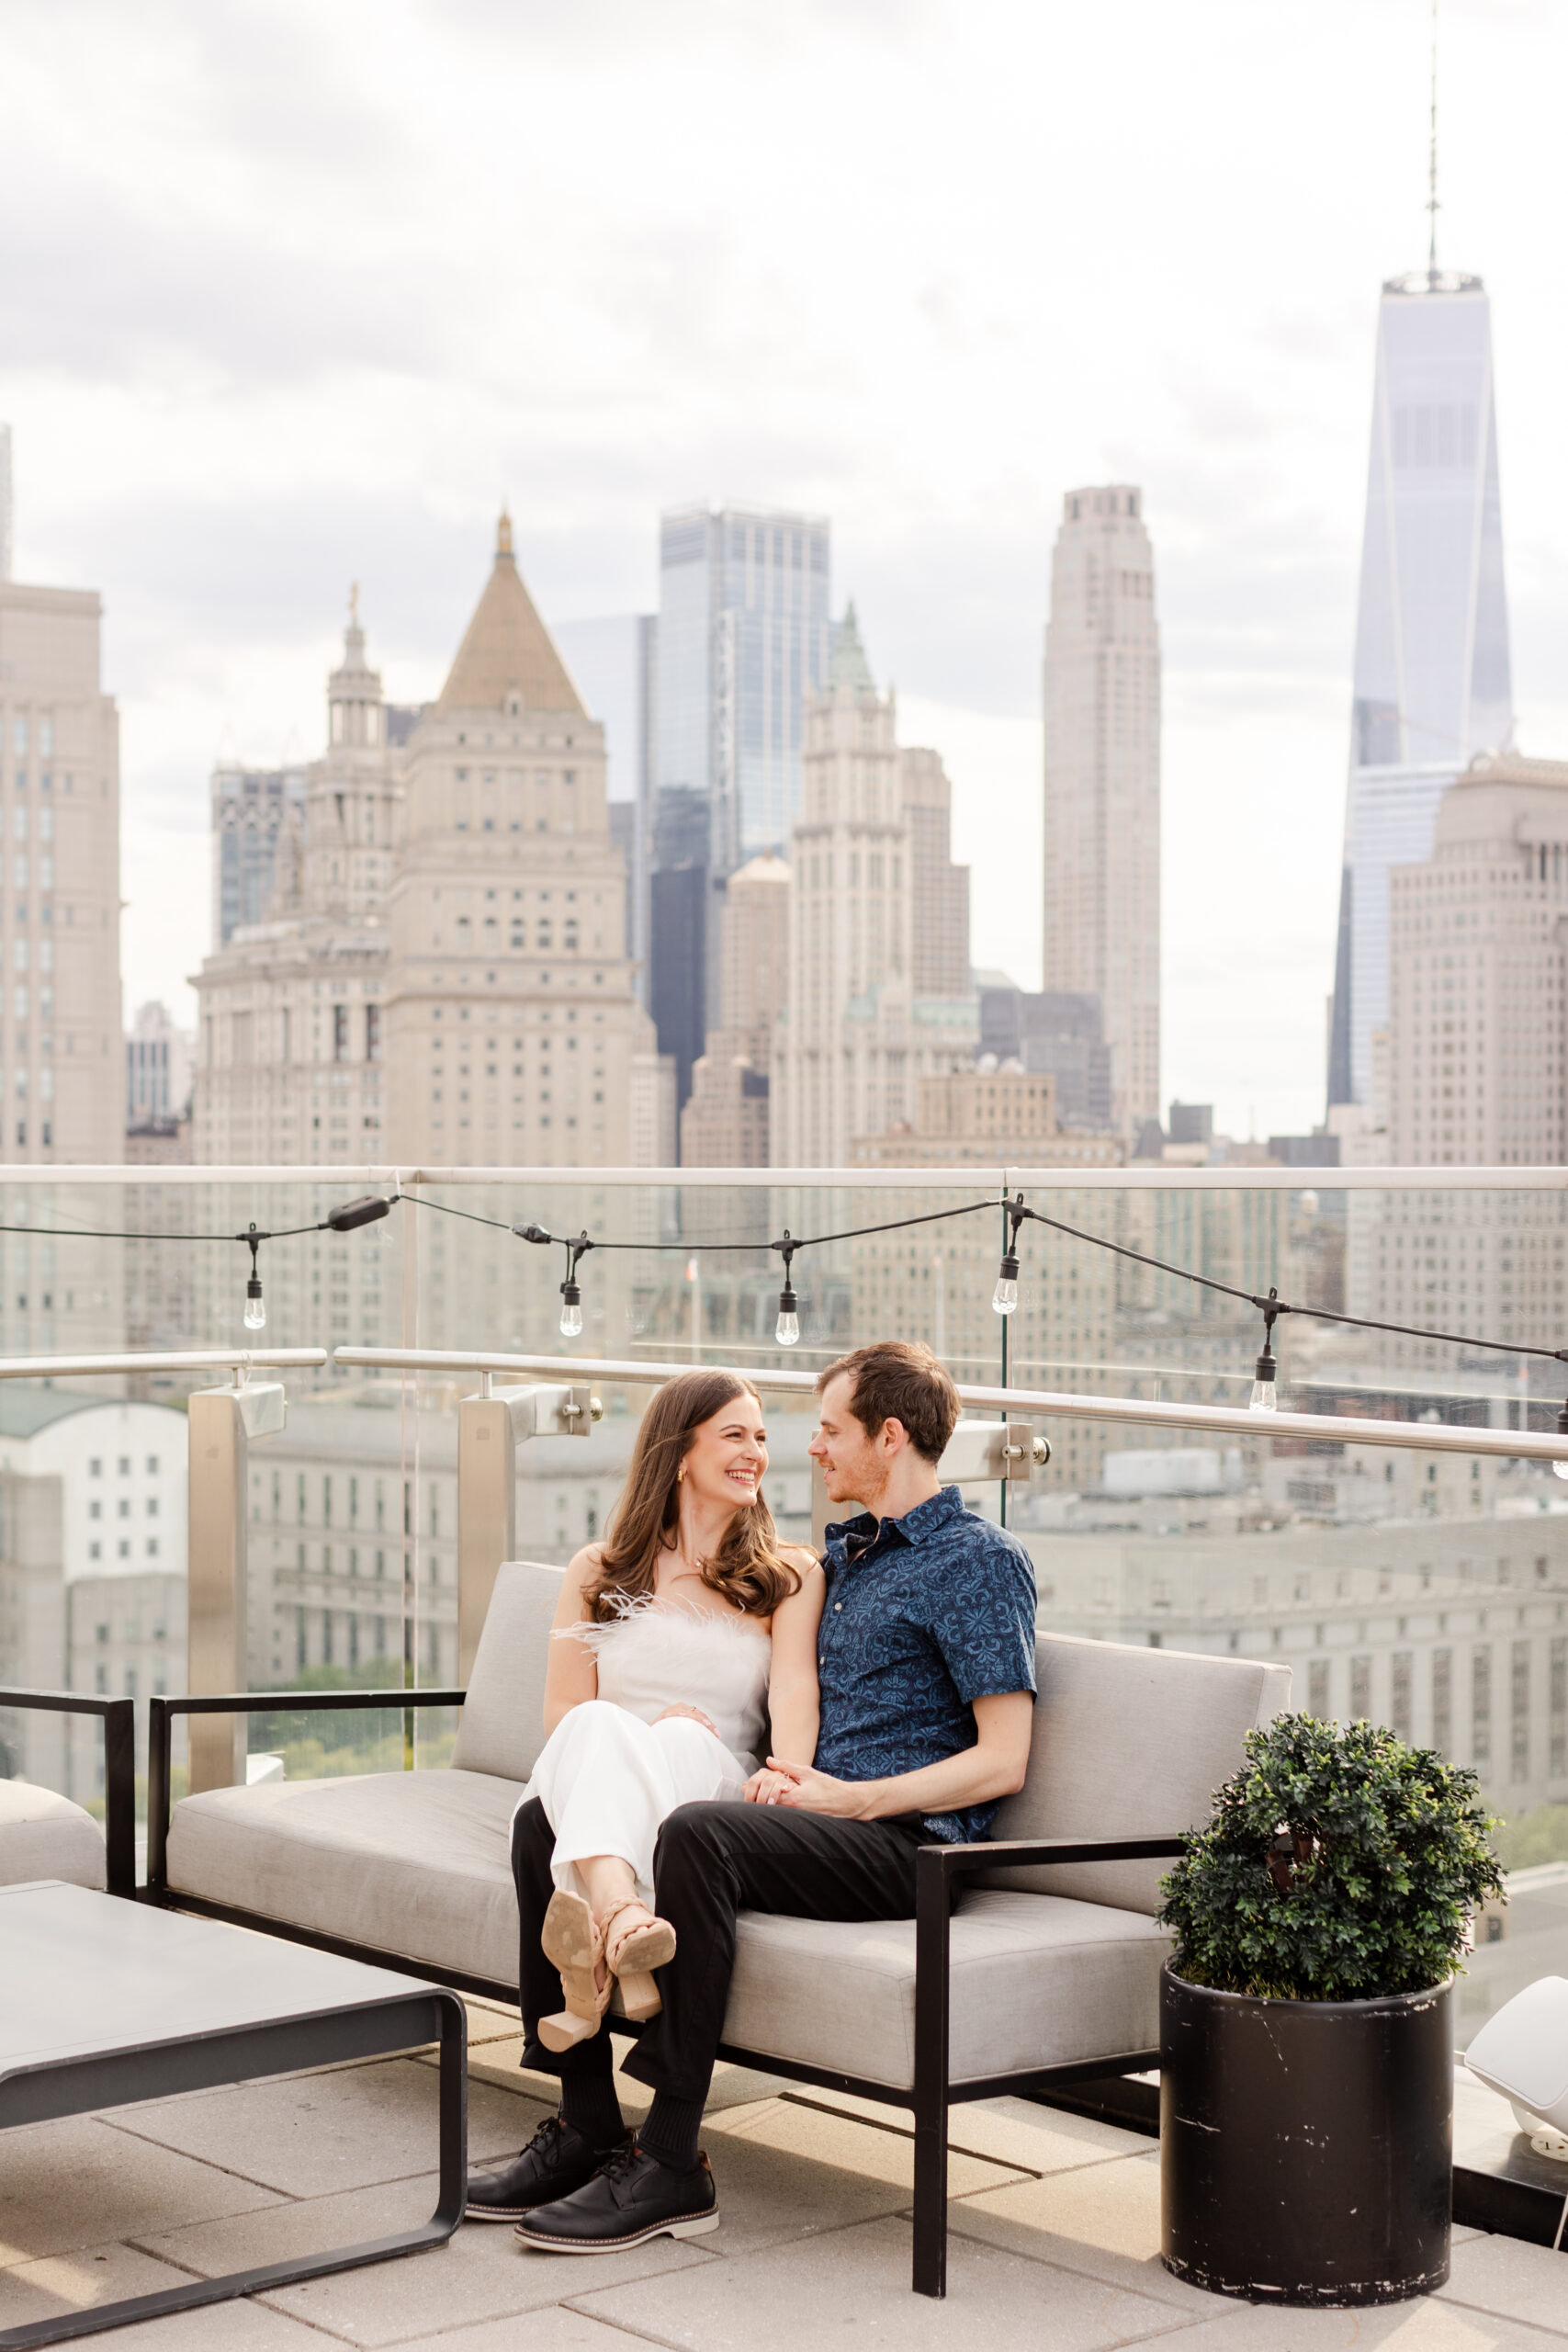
(1004, 1298)
(570, 1311)
(1562, 1468)
(255, 1306)
(1264, 1397)
(786, 1330)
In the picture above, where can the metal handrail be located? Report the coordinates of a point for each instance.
(1143, 1176)
(1423, 1437)
(237, 1359)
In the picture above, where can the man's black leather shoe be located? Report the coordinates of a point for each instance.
(631, 2198)
(555, 2161)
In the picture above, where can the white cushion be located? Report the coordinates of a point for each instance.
(44, 1836)
(1523, 2050)
(501, 1727)
(1130, 1743)
(414, 1864)
(1036, 1982)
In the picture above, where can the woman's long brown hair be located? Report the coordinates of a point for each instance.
(747, 1570)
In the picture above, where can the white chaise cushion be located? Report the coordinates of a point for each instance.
(1130, 1743)
(43, 1835)
(414, 1864)
(501, 1727)
(1036, 1981)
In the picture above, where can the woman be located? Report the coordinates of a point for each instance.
(684, 1649)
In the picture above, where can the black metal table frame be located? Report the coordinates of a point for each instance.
(938, 1873)
(119, 1771)
(376, 2029)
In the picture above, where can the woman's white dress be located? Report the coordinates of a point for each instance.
(608, 1773)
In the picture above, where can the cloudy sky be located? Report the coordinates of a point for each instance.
(294, 295)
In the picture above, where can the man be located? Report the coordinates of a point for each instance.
(926, 1665)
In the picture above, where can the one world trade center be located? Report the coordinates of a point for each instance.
(1432, 681)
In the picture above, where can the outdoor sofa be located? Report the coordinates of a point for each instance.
(1048, 1971)
(46, 1836)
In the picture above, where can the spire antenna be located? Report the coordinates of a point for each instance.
(1432, 167)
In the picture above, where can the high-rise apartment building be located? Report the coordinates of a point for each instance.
(1103, 784)
(1433, 684)
(859, 1034)
(8, 505)
(683, 912)
(59, 1037)
(290, 1046)
(1478, 955)
(725, 1123)
(514, 1033)
(158, 1063)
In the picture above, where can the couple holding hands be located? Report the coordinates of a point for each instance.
(734, 1724)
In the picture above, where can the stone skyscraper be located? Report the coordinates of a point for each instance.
(863, 1026)
(514, 1033)
(1432, 676)
(1103, 784)
(61, 1078)
(7, 516)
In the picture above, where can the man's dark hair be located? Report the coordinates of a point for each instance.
(901, 1380)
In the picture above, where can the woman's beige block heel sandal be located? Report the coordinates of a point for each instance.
(575, 1947)
(631, 1956)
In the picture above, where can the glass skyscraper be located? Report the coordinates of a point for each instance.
(744, 635)
(1432, 679)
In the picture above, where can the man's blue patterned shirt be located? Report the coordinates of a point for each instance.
(924, 1615)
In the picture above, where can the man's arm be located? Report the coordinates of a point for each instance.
(993, 1768)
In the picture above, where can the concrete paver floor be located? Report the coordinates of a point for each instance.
(1054, 2228)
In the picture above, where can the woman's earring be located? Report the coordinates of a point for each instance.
(680, 1475)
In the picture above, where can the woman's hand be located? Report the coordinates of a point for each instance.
(767, 1787)
(692, 1714)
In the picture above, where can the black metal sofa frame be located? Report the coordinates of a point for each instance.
(119, 1771)
(937, 1872)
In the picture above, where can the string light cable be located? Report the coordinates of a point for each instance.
(372, 1206)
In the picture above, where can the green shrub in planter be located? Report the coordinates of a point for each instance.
(1338, 1865)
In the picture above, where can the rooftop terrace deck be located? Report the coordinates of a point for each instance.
(1055, 2227)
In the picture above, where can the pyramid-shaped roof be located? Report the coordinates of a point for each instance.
(850, 666)
(508, 649)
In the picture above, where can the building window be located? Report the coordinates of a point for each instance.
(1399, 1707)
(1317, 1688)
(1481, 1709)
(1443, 1701)
(1360, 1690)
(1519, 1710)
(340, 1032)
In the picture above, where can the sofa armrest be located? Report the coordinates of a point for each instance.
(161, 1727)
(963, 1861)
(119, 1772)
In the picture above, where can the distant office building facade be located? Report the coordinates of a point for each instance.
(1102, 786)
(158, 1065)
(251, 808)
(1054, 1035)
(744, 638)
(1433, 680)
(725, 1122)
(59, 1035)
(612, 661)
(682, 913)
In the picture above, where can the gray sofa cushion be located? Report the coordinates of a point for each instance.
(412, 1863)
(43, 1835)
(1128, 1743)
(501, 1727)
(1036, 1982)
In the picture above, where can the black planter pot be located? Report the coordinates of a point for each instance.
(1306, 2147)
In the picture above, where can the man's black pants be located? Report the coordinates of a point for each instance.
(712, 1861)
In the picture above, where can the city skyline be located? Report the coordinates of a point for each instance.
(223, 479)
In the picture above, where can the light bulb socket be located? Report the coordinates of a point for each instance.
(1008, 1271)
(1267, 1370)
(253, 1287)
(570, 1294)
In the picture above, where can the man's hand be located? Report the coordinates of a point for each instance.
(692, 1714)
(808, 1791)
